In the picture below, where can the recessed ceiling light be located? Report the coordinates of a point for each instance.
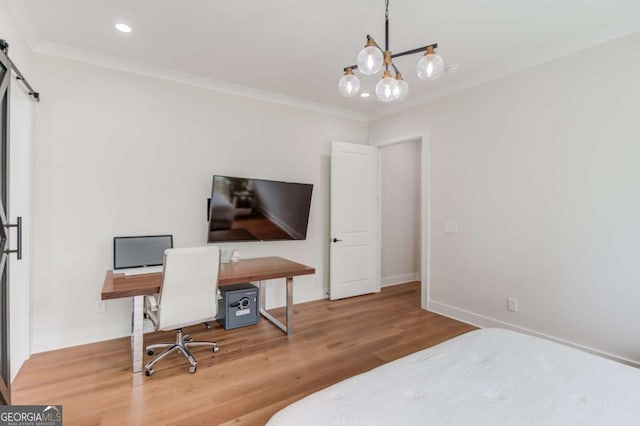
(123, 28)
(364, 95)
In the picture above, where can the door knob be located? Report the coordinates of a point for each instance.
(335, 240)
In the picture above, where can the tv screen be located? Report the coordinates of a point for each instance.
(245, 209)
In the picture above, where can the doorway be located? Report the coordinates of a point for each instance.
(404, 189)
(400, 212)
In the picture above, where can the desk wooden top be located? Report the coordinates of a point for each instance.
(255, 269)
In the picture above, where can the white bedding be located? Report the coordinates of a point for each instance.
(484, 377)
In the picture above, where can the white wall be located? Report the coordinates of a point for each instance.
(123, 154)
(540, 171)
(400, 207)
(20, 146)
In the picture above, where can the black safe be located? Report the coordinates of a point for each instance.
(238, 306)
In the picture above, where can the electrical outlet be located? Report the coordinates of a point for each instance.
(512, 304)
(101, 306)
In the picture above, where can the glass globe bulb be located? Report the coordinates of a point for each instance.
(387, 88)
(349, 85)
(430, 67)
(370, 60)
(402, 91)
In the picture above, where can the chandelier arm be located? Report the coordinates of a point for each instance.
(395, 55)
(412, 51)
(355, 67)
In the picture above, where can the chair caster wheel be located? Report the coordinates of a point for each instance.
(148, 372)
(215, 349)
(193, 369)
(149, 353)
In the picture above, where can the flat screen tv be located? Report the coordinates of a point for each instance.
(245, 209)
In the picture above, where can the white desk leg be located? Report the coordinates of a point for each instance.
(288, 328)
(137, 333)
(263, 297)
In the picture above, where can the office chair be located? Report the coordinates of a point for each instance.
(187, 297)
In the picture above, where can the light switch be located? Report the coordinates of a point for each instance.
(451, 227)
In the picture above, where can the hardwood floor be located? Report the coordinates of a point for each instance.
(257, 372)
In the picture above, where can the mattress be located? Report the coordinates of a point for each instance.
(484, 377)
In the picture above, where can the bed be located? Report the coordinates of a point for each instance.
(484, 377)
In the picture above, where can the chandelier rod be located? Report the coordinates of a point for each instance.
(386, 27)
(372, 58)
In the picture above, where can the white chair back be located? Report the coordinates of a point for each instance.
(189, 287)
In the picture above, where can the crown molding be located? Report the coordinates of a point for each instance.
(126, 65)
(21, 16)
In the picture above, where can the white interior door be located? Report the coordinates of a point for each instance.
(354, 237)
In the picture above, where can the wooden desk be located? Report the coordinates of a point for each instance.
(257, 269)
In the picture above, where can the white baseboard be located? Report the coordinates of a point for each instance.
(400, 279)
(482, 321)
(52, 341)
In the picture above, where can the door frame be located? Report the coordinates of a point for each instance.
(425, 204)
(5, 341)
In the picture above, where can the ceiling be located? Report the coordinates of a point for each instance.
(298, 48)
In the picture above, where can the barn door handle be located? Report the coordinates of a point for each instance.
(17, 225)
(335, 240)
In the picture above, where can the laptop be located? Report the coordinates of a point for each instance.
(140, 254)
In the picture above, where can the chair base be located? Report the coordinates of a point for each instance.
(182, 345)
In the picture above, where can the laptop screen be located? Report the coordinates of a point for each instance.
(136, 252)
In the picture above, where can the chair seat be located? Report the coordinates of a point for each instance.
(187, 297)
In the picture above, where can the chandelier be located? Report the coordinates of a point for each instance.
(371, 59)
